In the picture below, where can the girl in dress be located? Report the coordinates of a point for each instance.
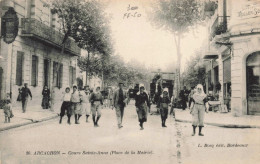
(198, 108)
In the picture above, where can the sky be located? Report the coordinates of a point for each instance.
(135, 37)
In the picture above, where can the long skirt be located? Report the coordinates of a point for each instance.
(76, 108)
(164, 113)
(85, 108)
(45, 103)
(142, 112)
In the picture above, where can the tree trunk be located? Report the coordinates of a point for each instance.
(87, 70)
(177, 85)
(53, 94)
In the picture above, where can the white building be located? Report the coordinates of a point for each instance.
(36, 52)
(233, 59)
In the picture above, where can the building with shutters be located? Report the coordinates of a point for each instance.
(233, 55)
(35, 55)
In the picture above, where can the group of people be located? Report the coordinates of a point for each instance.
(84, 101)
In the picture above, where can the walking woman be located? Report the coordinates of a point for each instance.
(141, 103)
(75, 104)
(45, 97)
(163, 104)
(65, 107)
(198, 108)
(85, 105)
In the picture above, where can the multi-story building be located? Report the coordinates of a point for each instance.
(34, 57)
(233, 57)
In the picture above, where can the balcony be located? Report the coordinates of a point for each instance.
(38, 30)
(218, 26)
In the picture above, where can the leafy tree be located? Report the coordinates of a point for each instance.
(195, 72)
(85, 22)
(178, 17)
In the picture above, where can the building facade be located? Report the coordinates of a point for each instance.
(35, 55)
(233, 57)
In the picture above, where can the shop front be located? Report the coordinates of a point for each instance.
(253, 83)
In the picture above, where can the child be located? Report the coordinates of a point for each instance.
(8, 110)
(163, 104)
(66, 105)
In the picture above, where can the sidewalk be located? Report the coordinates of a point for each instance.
(33, 115)
(221, 119)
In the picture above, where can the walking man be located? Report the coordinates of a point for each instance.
(96, 100)
(25, 92)
(184, 97)
(119, 102)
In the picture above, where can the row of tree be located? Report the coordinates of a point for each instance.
(113, 69)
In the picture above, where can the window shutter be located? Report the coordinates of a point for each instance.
(70, 76)
(19, 68)
(60, 75)
(34, 70)
(227, 71)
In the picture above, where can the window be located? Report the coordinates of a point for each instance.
(34, 75)
(19, 68)
(57, 74)
(72, 75)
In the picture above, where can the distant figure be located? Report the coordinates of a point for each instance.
(163, 104)
(110, 98)
(96, 100)
(191, 95)
(66, 105)
(119, 102)
(45, 97)
(25, 92)
(141, 103)
(198, 108)
(184, 97)
(8, 110)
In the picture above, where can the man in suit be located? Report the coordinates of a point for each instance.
(119, 102)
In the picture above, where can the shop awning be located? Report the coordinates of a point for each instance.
(210, 55)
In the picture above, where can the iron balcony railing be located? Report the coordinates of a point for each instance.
(34, 28)
(219, 26)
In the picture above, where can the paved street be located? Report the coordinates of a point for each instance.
(173, 144)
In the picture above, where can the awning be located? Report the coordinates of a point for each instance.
(210, 55)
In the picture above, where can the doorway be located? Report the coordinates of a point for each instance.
(46, 81)
(253, 83)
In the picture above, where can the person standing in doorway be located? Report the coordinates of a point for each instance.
(96, 100)
(198, 108)
(75, 104)
(25, 92)
(119, 102)
(163, 104)
(45, 97)
(141, 103)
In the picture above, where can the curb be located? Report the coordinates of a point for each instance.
(27, 123)
(221, 125)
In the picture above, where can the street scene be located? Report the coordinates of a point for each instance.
(133, 81)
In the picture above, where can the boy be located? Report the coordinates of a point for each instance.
(163, 104)
(66, 105)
